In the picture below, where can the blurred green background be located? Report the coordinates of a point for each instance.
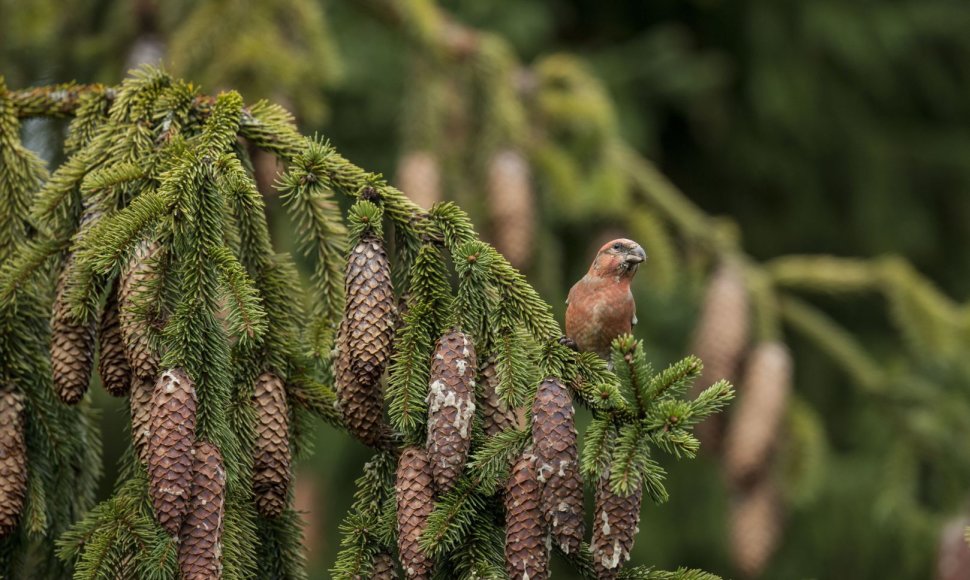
(809, 126)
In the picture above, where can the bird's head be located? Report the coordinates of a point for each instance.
(620, 258)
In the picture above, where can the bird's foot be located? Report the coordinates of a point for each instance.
(568, 342)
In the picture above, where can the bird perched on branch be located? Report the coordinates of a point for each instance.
(600, 307)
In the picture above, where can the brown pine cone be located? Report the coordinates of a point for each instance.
(756, 521)
(200, 545)
(720, 338)
(415, 501)
(526, 547)
(140, 403)
(383, 567)
(362, 408)
(557, 468)
(134, 282)
(496, 416)
(172, 425)
(512, 206)
(615, 526)
(13, 460)
(72, 344)
(112, 362)
(364, 338)
(271, 460)
(756, 421)
(953, 551)
(451, 407)
(419, 177)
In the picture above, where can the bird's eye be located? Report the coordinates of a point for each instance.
(617, 246)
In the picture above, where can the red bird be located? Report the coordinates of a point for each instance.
(600, 307)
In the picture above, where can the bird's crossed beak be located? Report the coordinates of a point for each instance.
(635, 256)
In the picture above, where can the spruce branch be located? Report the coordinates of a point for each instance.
(323, 237)
(247, 319)
(427, 312)
(169, 158)
(362, 523)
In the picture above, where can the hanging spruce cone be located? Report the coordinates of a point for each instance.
(200, 546)
(415, 500)
(135, 280)
(512, 207)
(271, 461)
(557, 468)
(953, 551)
(720, 338)
(13, 460)
(757, 417)
(364, 338)
(451, 406)
(112, 362)
(756, 521)
(172, 426)
(383, 567)
(526, 547)
(496, 415)
(615, 526)
(141, 410)
(362, 409)
(72, 344)
(419, 177)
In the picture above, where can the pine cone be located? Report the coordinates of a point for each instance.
(271, 461)
(13, 460)
(953, 551)
(112, 362)
(200, 546)
(526, 547)
(362, 408)
(615, 526)
(419, 177)
(140, 402)
(512, 207)
(496, 416)
(757, 417)
(364, 338)
(134, 282)
(720, 338)
(451, 406)
(172, 425)
(383, 567)
(755, 528)
(415, 501)
(557, 469)
(72, 345)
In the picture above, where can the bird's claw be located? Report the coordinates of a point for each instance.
(570, 343)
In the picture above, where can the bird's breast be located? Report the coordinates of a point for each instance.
(598, 314)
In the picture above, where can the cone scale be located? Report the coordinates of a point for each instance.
(451, 407)
(415, 501)
(200, 546)
(271, 460)
(557, 467)
(172, 425)
(13, 460)
(364, 339)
